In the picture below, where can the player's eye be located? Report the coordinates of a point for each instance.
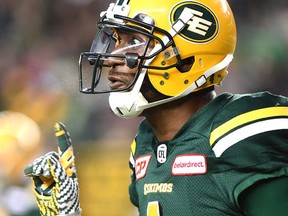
(136, 43)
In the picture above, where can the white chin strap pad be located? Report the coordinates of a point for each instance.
(125, 104)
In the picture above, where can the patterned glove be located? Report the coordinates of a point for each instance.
(55, 180)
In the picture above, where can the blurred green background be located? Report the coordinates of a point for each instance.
(40, 43)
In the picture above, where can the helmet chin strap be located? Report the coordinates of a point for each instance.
(198, 83)
(131, 104)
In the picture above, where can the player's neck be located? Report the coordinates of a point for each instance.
(168, 119)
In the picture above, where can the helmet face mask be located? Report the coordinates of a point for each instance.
(146, 38)
(139, 35)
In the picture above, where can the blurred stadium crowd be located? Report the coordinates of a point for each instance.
(40, 43)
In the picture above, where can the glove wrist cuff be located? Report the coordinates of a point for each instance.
(77, 213)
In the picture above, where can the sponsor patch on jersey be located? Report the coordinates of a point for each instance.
(141, 166)
(204, 25)
(189, 164)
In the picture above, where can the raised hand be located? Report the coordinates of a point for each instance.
(55, 180)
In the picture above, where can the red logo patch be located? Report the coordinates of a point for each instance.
(141, 167)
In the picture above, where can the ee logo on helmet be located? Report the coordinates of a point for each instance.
(204, 25)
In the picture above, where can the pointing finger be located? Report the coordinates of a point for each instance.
(63, 137)
(65, 149)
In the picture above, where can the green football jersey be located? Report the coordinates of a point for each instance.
(229, 145)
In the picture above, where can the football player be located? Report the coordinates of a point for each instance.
(196, 153)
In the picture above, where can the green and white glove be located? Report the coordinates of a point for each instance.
(55, 180)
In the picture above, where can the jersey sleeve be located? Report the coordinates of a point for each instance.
(268, 197)
(249, 140)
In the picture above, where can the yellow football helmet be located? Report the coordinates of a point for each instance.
(202, 31)
(20, 141)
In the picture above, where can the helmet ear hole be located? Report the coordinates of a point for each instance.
(186, 64)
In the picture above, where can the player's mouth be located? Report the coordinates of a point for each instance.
(116, 82)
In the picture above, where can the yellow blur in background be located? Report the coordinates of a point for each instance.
(104, 177)
(20, 141)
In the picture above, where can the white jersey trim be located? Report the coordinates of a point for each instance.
(247, 131)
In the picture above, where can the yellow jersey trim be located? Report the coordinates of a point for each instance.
(133, 147)
(246, 118)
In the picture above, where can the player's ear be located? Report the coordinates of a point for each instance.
(186, 64)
